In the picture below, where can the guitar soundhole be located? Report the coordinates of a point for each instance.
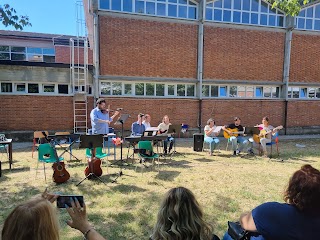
(59, 168)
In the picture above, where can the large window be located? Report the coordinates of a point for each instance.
(304, 92)
(255, 12)
(27, 54)
(171, 8)
(309, 18)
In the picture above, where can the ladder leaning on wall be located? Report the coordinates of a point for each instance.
(79, 73)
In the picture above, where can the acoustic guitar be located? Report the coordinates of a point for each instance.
(94, 166)
(264, 133)
(60, 174)
(234, 132)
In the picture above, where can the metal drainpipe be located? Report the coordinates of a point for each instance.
(202, 8)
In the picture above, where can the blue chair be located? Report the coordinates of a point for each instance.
(46, 154)
(274, 141)
(145, 147)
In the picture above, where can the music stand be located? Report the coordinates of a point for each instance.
(174, 129)
(121, 120)
(91, 142)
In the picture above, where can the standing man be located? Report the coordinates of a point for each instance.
(237, 127)
(100, 119)
(147, 120)
(138, 127)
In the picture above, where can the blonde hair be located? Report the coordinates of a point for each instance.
(180, 218)
(35, 219)
(165, 116)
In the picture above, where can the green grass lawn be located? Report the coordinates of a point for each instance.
(224, 185)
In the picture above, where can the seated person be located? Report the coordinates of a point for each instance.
(298, 218)
(163, 128)
(181, 217)
(146, 121)
(265, 138)
(36, 219)
(138, 127)
(210, 136)
(243, 143)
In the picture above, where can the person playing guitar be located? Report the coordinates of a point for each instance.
(163, 128)
(235, 131)
(266, 132)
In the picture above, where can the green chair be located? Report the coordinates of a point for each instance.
(146, 146)
(46, 154)
(99, 154)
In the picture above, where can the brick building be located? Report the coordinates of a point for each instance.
(189, 59)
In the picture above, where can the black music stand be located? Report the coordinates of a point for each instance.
(174, 130)
(91, 142)
(121, 120)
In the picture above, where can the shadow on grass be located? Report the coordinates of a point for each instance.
(204, 159)
(127, 189)
(167, 175)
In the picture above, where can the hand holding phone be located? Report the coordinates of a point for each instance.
(65, 200)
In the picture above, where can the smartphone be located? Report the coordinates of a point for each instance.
(66, 200)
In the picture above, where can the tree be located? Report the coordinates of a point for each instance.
(290, 7)
(9, 17)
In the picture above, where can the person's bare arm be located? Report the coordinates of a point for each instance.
(247, 223)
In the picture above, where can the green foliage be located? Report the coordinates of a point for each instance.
(290, 7)
(9, 17)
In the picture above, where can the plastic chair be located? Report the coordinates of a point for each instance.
(38, 138)
(99, 154)
(147, 146)
(3, 148)
(274, 140)
(46, 154)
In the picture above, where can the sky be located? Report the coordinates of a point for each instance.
(46, 16)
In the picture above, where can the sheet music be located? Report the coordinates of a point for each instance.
(217, 129)
(152, 129)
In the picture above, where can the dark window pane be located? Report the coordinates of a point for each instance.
(301, 22)
(209, 14)
(317, 11)
(264, 7)
(105, 4)
(218, 4)
(139, 7)
(246, 5)
(172, 10)
(48, 88)
(272, 20)
(4, 56)
(18, 57)
(139, 87)
(214, 91)
(116, 5)
(192, 13)
(245, 17)
(33, 88)
(254, 18)
(280, 21)
(6, 87)
(161, 9)
(116, 88)
(127, 5)
(233, 91)
(227, 4)
(263, 19)
(317, 25)
(217, 15)
(21, 87)
(34, 50)
(210, 5)
(302, 13)
(160, 90)
(48, 51)
(150, 89)
(63, 88)
(151, 8)
(237, 17)
(310, 12)
(181, 90)
(50, 59)
(4, 48)
(173, 1)
(255, 5)
(226, 16)
(127, 89)
(272, 10)
(237, 4)
(190, 90)
(205, 90)
(18, 49)
(171, 90)
(309, 24)
(183, 1)
(182, 11)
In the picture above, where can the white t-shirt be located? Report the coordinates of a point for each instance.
(147, 125)
(163, 128)
(207, 128)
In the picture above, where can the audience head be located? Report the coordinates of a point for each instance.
(180, 217)
(303, 190)
(166, 119)
(211, 121)
(35, 219)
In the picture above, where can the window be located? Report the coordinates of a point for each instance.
(116, 89)
(181, 90)
(139, 87)
(190, 90)
(233, 91)
(6, 87)
(205, 90)
(223, 91)
(21, 87)
(259, 91)
(159, 89)
(171, 90)
(127, 89)
(309, 18)
(256, 12)
(106, 88)
(303, 92)
(48, 88)
(27, 53)
(33, 88)
(150, 89)
(214, 91)
(63, 88)
(186, 9)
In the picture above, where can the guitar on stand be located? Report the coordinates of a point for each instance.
(60, 174)
(263, 133)
(93, 169)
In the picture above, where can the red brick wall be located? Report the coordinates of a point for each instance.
(63, 54)
(243, 54)
(305, 60)
(303, 113)
(136, 47)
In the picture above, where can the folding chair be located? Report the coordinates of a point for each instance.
(64, 142)
(146, 152)
(38, 138)
(274, 140)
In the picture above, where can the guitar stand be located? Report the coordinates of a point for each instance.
(90, 175)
